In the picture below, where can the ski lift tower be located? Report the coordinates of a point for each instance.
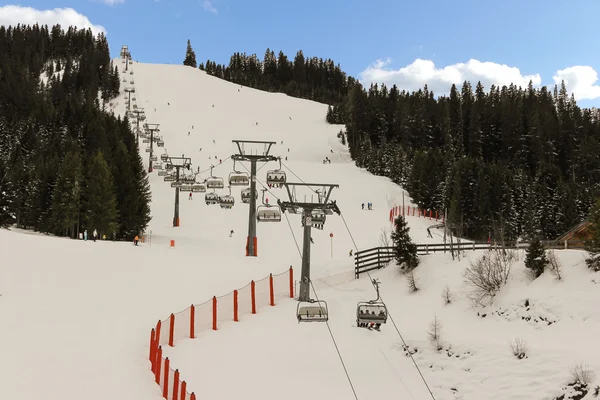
(129, 90)
(313, 215)
(243, 155)
(124, 51)
(139, 116)
(152, 130)
(178, 163)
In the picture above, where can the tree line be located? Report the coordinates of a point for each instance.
(66, 163)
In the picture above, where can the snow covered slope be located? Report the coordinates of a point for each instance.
(80, 328)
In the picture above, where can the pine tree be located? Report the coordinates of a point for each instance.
(6, 198)
(66, 197)
(101, 211)
(594, 246)
(190, 56)
(405, 250)
(535, 258)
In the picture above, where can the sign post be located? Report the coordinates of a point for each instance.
(331, 237)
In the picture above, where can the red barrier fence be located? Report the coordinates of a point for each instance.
(415, 212)
(210, 315)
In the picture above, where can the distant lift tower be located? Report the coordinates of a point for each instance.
(178, 163)
(313, 215)
(243, 155)
(152, 130)
(129, 90)
(139, 116)
(124, 51)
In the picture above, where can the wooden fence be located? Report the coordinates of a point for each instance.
(379, 257)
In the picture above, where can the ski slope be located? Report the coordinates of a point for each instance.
(78, 328)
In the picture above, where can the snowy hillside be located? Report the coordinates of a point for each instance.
(80, 329)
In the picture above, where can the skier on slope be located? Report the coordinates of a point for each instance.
(231, 233)
(95, 235)
(429, 233)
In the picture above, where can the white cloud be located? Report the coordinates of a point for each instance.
(414, 76)
(13, 15)
(113, 2)
(208, 6)
(579, 80)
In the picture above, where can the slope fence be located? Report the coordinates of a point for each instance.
(211, 314)
(415, 212)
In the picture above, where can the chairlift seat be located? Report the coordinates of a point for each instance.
(227, 201)
(169, 167)
(214, 182)
(276, 178)
(268, 214)
(169, 178)
(146, 141)
(153, 157)
(211, 198)
(185, 188)
(371, 312)
(160, 143)
(312, 311)
(198, 187)
(148, 149)
(246, 195)
(162, 172)
(176, 184)
(164, 157)
(239, 179)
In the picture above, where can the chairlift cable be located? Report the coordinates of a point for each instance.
(294, 236)
(336, 346)
(391, 318)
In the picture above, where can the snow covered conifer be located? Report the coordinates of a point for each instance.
(6, 198)
(190, 56)
(405, 250)
(535, 259)
(101, 203)
(594, 246)
(66, 196)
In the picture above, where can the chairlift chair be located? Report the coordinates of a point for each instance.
(246, 195)
(162, 172)
(145, 140)
(267, 212)
(176, 184)
(372, 311)
(148, 149)
(312, 311)
(214, 182)
(153, 157)
(239, 179)
(164, 157)
(133, 98)
(169, 166)
(169, 178)
(227, 201)
(198, 187)
(276, 178)
(160, 143)
(186, 187)
(211, 198)
(158, 166)
(318, 219)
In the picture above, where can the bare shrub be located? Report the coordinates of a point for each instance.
(411, 281)
(447, 295)
(486, 276)
(435, 333)
(582, 373)
(596, 391)
(385, 237)
(518, 347)
(555, 265)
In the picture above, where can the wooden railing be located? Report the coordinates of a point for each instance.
(379, 257)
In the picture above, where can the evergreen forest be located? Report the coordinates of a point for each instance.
(66, 164)
(500, 161)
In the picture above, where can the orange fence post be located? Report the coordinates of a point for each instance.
(183, 390)
(291, 283)
(253, 292)
(158, 365)
(176, 385)
(235, 306)
(214, 324)
(166, 379)
(171, 329)
(192, 317)
(193, 396)
(152, 347)
(157, 336)
(271, 291)
(255, 246)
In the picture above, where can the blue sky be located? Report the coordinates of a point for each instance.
(537, 37)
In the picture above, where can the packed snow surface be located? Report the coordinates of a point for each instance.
(76, 315)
